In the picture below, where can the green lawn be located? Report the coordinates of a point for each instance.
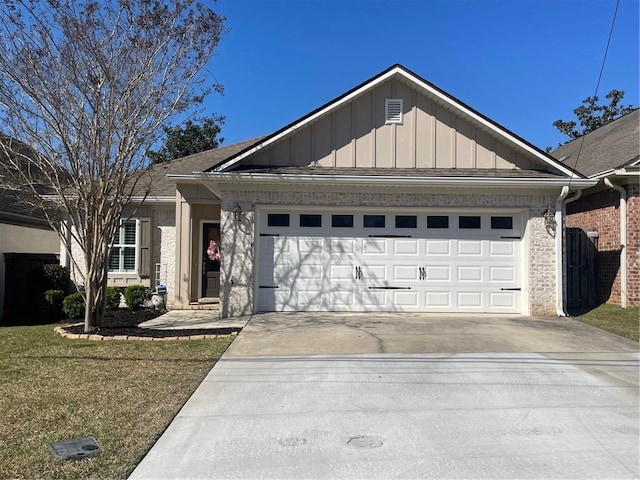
(124, 393)
(621, 321)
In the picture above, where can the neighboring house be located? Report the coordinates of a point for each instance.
(392, 197)
(609, 212)
(26, 241)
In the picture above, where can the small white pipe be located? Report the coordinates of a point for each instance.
(559, 253)
(623, 240)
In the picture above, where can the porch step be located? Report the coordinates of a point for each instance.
(196, 306)
(208, 301)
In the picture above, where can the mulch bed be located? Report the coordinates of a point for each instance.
(124, 322)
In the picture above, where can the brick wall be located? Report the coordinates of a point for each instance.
(237, 239)
(633, 244)
(600, 211)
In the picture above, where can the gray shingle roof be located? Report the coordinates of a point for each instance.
(11, 205)
(614, 145)
(403, 172)
(198, 162)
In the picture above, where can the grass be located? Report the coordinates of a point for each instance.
(612, 318)
(124, 393)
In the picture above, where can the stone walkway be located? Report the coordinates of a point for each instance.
(193, 319)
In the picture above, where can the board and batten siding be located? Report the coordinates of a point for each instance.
(355, 136)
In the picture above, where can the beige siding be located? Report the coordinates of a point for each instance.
(355, 135)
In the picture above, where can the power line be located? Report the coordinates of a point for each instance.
(595, 94)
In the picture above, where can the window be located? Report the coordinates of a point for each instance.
(123, 250)
(310, 220)
(374, 221)
(468, 221)
(437, 221)
(342, 221)
(501, 223)
(278, 220)
(406, 221)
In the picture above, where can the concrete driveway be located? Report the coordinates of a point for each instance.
(410, 396)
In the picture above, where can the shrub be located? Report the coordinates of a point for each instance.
(53, 301)
(113, 298)
(73, 306)
(135, 296)
(56, 277)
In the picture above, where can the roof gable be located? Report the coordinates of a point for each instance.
(439, 132)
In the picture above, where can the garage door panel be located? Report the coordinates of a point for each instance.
(405, 299)
(469, 299)
(503, 299)
(438, 247)
(438, 273)
(469, 247)
(504, 273)
(311, 300)
(310, 272)
(405, 247)
(342, 245)
(469, 274)
(374, 246)
(503, 249)
(341, 272)
(438, 300)
(375, 272)
(343, 298)
(373, 300)
(405, 273)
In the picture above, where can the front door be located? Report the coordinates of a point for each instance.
(210, 260)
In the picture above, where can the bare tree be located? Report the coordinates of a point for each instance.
(86, 86)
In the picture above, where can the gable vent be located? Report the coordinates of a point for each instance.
(393, 110)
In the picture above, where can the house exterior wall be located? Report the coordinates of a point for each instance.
(24, 239)
(237, 269)
(194, 204)
(600, 211)
(355, 135)
(163, 243)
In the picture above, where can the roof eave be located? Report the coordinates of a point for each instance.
(235, 177)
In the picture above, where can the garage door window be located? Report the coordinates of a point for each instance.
(406, 221)
(501, 223)
(374, 221)
(437, 221)
(342, 221)
(310, 220)
(278, 220)
(469, 221)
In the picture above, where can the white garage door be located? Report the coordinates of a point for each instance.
(354, 260)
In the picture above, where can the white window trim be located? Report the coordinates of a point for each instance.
(136, 247)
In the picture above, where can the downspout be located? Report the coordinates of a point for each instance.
(559, 252)
(623, 240)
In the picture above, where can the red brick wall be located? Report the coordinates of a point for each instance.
(633, 244)
(600, 211)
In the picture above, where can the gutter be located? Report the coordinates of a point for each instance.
(381, 180)
(623, 240)
(560, 258)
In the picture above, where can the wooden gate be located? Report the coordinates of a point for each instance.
(22, 294)
(581, 269)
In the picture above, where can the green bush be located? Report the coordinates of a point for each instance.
(53, 301)
(113, 298)
(56, 277)
(135, 296)
(73, 306)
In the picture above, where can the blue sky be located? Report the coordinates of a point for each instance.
(522, 63)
